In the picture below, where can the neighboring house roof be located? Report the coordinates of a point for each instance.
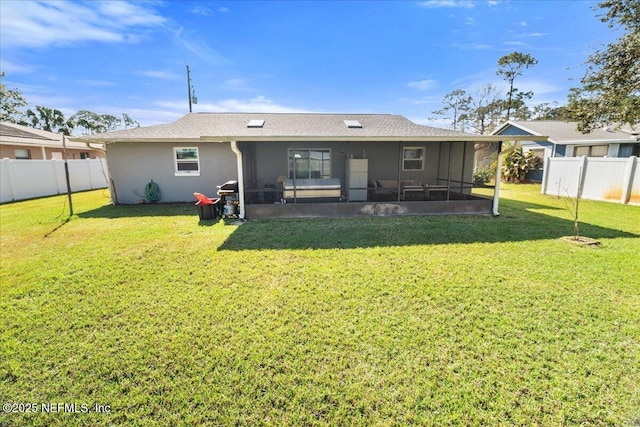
(567, 132)
(14, 134)
(284, 126)
(9, 131)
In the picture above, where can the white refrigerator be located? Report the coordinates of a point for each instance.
(357, 178)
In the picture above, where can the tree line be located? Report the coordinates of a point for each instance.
(14, 108)
(609, 95)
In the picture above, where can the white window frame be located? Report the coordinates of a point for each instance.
(589, 149)
(421, 159)
(293, 150)
(177, 161)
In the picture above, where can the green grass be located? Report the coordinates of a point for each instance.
(460, 320)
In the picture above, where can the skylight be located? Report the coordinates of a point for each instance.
(255, 123)
(353, 124)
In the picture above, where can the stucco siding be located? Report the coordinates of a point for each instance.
(133, 165)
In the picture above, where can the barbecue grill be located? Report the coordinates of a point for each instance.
(229, 199)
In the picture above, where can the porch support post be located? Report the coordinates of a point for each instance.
(236, 150)
(400, 161)
(464, 159)
(496, 188)
(449, 170)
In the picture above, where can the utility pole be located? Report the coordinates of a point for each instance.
(191, 93)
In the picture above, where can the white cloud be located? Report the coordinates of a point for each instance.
(98, 83)
(197, 46)
(467, 4)
(203, 10)
(235, 82)
(150, 117)
(427, 100)
(258, 104)
(473, 46)
(42, 23)
(538, 87)
(129, 14)
(423, 84)
(200, 9)
(159, 74)
(238, 84)
(10, 67)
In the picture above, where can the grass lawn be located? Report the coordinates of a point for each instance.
(459, 320)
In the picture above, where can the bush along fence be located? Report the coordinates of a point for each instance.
(29, 179)
(611, 179)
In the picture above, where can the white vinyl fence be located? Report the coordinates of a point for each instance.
(28, 179)
(611, 179)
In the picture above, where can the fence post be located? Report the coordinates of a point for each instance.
(7, 166)
(90, 173)
(628, 182)
(545, 174)
(55, 174)
(582, 171)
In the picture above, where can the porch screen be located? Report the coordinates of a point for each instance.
(311, 163)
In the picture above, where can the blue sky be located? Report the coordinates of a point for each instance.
(397, 57)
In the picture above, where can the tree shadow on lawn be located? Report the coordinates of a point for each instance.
(519, 221)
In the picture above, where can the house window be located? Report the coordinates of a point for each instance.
(591, 151)
(311, 163)
(599, 150)
(22, 154)
(84, 155)
(187, 161)
(413, 159)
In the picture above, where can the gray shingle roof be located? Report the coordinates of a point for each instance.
(228, 126)
(14, 134)
(567, 132)
(19, 131)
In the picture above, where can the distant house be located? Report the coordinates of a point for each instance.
(300, 165)
(23, 142)
(565, 140)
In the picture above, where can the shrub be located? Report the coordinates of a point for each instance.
(482, 176)
(517, 165)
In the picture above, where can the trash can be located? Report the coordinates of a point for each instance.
(205, 211)
(208, 208)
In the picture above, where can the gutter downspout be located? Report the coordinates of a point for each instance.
(236, 150)
(496, 189)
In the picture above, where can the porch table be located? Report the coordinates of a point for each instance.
(435, 189)
(413, 193)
